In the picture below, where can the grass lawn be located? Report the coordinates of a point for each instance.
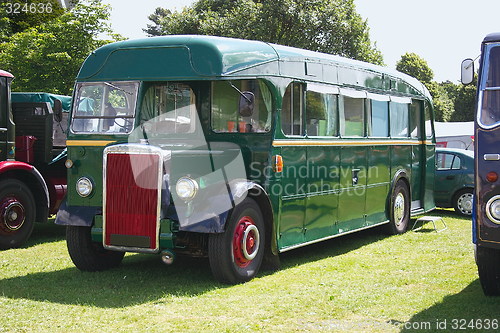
(365, 282)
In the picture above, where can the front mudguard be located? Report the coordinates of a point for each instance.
(79, 216)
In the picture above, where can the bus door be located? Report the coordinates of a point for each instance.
(353, 161)
(294, 175)
(418, 156)
(428, 161)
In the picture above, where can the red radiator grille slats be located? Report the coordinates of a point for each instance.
(131, 199)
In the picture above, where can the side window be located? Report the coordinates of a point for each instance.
(226, 116)
(457, 163)
(169, 108)
(415, 116)
(378, 118)
(429, 130)
(321, 111)
(291, 114)
(352, 116)
(399, 119)
(446, 161)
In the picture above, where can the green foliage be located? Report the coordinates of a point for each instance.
(33, 15)
(452, 102)
(330, 26)
(415, 66)
(47, 57)
(465, 102)
(443, 105)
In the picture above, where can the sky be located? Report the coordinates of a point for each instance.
(442, 32)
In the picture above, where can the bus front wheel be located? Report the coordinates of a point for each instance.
(399, 214)
(87, 255)
(488, 266)
(236, 255)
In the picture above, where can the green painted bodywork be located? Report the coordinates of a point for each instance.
(315, 205)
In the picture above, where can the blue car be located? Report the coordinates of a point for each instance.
(454, 179)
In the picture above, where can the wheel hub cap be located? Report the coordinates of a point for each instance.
(465, 203)
(12, 213)
(399, 208)
(246, 241)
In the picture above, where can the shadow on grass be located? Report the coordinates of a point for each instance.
(45, 233)
(140, 279)
(457, 313)
(331, 248)
(144, 278)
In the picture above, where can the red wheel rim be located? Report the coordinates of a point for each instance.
(12, 215)
(246, 241)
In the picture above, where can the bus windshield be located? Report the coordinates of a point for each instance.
(104, 107)
(489, 110)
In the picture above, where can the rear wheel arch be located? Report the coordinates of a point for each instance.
(399, 204)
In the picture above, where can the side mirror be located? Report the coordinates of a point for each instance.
(467, 71)
(57, 110)
(247, 100)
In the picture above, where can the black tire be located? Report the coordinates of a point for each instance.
(462, 202)
(87, 255)
(399, 209)
(488, 266)
(228, 261)
(17, 213)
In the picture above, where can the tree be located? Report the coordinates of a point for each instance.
(47, 57)
(415, 66)
(330, 26)
(28, 14)
(465, 102)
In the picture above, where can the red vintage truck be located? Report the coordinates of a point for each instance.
(32, 156)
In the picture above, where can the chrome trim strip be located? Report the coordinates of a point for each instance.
(491, 157)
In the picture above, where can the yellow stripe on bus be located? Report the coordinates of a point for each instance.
(88, 142)
(281, 143)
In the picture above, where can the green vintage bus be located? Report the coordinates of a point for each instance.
(238, 150)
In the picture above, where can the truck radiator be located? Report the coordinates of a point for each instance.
(132, 198)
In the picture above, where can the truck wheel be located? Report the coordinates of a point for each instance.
(488, 266)
(462, 202)
(399, 214)
(236, 255)
(17, 213)
(87, 255)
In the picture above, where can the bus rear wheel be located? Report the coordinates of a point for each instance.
(236, 255)
(399, 214)
(17, 213)
(488, 266)
(87, 255)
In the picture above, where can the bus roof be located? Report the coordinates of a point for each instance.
(493, 37)
(190, 57)
(5, 74)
